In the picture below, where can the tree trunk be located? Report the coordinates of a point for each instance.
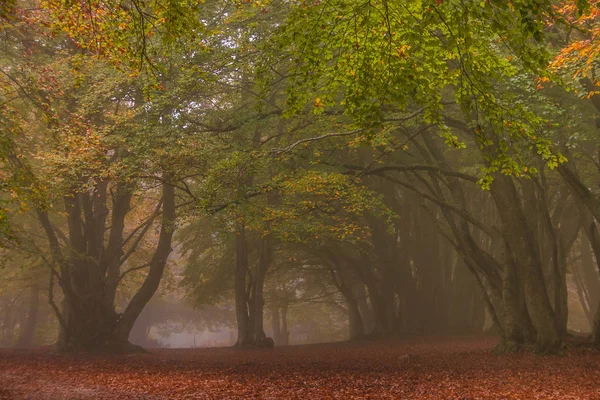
(285, 334)
(381, 286)
(7, 326)
(89, 266)
(583, 294)
(366, 313)
(486, 270)
(343, 279)
(585, 199)
(513, 324)
(264, 260)
(520, 240)
(241, 306)
(276, 325)
(157, 266)
(590, 277)
(29, 327)
(355, 323)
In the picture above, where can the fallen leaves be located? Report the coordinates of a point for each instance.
(415, 369)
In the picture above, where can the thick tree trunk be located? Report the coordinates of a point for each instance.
(90, 328)
(381, 287)
(585, 199)
(139, 333)
(90, 268)
(593, 235)
(590, 258)
(513, 323)
(156, 269)
(520, 239)
(425, 253)
(561, 229)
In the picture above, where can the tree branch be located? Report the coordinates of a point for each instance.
(314, 139)
(132, 270)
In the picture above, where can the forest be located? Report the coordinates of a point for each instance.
(411, 182)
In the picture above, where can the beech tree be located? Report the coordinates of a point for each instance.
(431, 163)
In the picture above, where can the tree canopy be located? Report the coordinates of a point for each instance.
(394, 163)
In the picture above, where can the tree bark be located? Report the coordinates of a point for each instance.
(262, 265)
(585, 199)
(157, 266)
(513, 323)
(590, 276)
(89, 269)
(356, 328)
(366, 313)
(285, 334)
(343, 280)
(27, 334)
(241, 306)
(520, 240)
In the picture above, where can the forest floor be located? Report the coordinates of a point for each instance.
(412, 369)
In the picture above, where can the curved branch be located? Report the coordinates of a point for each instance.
(462, 213)
(132, 270)
(314, 139)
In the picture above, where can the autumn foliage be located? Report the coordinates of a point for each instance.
(412, 369)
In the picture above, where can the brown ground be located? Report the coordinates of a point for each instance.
(414, 369)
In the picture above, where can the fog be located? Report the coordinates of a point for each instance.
(231, 176)
(299, 199)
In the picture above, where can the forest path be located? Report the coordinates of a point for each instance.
(412, 369)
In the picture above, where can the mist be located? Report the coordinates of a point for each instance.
(299, 199)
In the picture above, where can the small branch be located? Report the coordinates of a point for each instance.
(223, 206)
(406, 118)
(137, 241)
(144, 224)
(24, 91)
(132, 270)
(314, 139)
